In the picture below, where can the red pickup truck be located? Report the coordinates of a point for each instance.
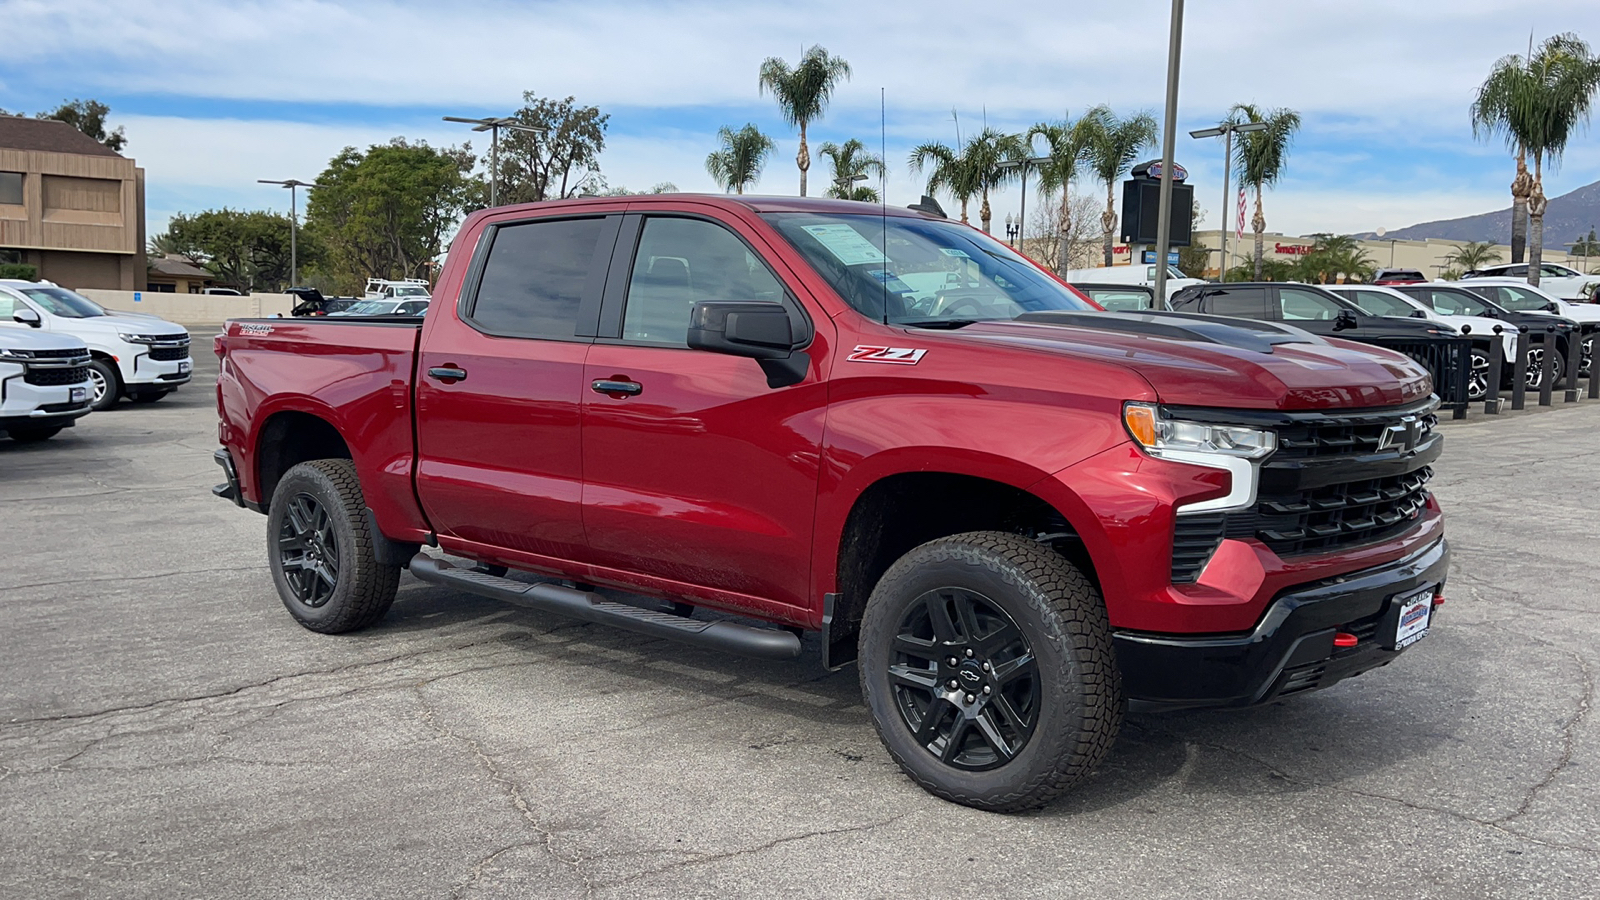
(1017, 513)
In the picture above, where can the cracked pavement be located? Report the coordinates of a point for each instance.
(167, 731)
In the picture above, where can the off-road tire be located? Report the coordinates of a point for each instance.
(33, 435)
(1063, 618)
(113, 380)
(364, 588)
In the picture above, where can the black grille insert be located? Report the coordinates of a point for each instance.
(168, 354)
(1194, 539)
(1325, 436)
(47, 377)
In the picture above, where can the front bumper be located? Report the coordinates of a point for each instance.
(24, 405)
(157, 375)
(1292, 648)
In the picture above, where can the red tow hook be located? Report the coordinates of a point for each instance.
(1438, 598)
(1345, 639)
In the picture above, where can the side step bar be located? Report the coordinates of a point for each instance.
(729, 637)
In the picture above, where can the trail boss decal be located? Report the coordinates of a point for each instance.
(900, 356)
(252, 328)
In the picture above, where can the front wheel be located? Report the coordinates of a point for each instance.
(320, 549)
(1534, 377)
(1478, 380)
(987, 665)
(105, 385)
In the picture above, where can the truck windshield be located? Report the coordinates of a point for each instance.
(64, 303)
(911, 271)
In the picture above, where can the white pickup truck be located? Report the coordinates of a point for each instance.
(44, 383)
(139, 357)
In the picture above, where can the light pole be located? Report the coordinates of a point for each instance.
(1011, 230)
(1022, 217)
(1227, 130)
(1168, 136)
(493, 126)
(294, 251)
(844, 183)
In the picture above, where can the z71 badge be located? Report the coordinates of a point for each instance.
(900, 356)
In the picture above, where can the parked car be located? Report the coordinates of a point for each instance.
(1521, 296)
(384, 308)
(136, 356)
(44, 382)
(1385, 301)
(1145, 275)
(1012, 510)
(1398, 276)
(1453, 301)
(1119, 297)
(405, 289)
(1559, 281)
(310, 302)
(223, 291)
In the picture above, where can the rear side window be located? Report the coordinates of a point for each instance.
(533, 281)
(1380, 304)
(1306, 306)
(1246, 303)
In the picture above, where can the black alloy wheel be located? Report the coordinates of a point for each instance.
(1478, 378)
(1534, 376)
(309, 551)
(965, 680)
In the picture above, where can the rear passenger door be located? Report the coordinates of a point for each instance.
(696, 472)
(500, 386)
(1240, 302)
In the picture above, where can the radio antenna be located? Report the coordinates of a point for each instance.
(883, 191)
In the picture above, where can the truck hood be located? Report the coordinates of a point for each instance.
(28, 339)
(123, 323)
(1195, 360)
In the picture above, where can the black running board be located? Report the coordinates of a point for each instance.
(729, 637)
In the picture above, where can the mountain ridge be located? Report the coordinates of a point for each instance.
(1568, 218)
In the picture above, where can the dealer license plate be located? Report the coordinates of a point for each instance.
(183, 368)
(79, 395)
(1415, 611)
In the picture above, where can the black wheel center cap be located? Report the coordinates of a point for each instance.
(970, 676)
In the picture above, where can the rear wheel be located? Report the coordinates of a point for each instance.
(320, 548)
(32, 435)
(1534, 377)
(987, 664)
(106, 385)
(1478, 380)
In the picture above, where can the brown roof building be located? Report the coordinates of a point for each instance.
(70, 206)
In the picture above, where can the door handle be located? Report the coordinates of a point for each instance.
(448, 374)
(617, 389)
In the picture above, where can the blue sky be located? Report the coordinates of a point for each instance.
(216, 95)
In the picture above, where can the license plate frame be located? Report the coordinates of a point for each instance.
(77, 395)
(183, 367)
(1412, 616)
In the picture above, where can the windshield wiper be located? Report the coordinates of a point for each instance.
(936, 323)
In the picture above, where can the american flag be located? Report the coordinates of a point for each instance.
(1238, 231)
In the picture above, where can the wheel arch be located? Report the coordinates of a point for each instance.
(289, 437)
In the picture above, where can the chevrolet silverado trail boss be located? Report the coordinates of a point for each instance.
(1015, 512)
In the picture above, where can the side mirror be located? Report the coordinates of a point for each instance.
(760, 331)
(1418, 314)
(1552, 306)
(1346, 319)
(26, 317)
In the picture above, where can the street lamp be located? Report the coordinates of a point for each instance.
(493, 126)
(294, 251)
(1226, 131)
(1392, 241)
(1023, 164)
(843, 183)
(1011, 230)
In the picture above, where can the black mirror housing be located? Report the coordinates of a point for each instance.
(1346, 319)
(1553, 306)
(752, 330)
(1418, 314)
(26, 317)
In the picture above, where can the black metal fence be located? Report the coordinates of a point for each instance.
(1447, 359)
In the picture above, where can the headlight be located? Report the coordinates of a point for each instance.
(1164, 437)
(16, 354)
(142, 338)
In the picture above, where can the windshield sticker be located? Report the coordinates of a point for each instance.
(951, 251)
(900, 356)
(846, 244)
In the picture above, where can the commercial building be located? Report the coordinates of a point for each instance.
(70, 206)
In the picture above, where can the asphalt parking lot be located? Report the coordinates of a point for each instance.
(166, 730)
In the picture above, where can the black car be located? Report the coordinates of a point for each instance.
(1457, 301)
(310, 302)
(1321, 313)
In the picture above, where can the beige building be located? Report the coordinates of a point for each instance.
(1430, 257)
(69, 206)
(169, 275)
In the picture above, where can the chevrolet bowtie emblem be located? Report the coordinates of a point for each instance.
(1404, 436)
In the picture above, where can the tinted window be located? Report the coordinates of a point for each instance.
(1298, 305)
(1555, 272)
(1453, 303)
(1120, 299)
(1246, 303)
(1380, 304)
(533, 281)
(682, 262)
(11, 188)
(64, 303)
(1518, 298)
(1518, 271)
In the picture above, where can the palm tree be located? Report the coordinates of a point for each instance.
(849, 160)
(1331, 256)
(1113, 146)
(802, 92)
(1473, 255)
(1262, 156)
(948, 173)
(739, 163)
(1534, 104)
(1068, 146)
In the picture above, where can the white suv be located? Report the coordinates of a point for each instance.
(137, 356)
(1559, 281)
(44, 383)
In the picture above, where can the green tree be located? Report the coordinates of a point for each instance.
(89, 117)
(1256, 269)
(1068, 143)
(948, 173)
(738, 163)
(1473, 255)
(383, 213)
(1334, 256)
(849, 160)
(803, 92)
(1195, 259)
(560, 160)
(1261, 157)
(1113, 146)
(245, 248)
(974, 172)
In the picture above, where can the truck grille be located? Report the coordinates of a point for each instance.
(68, 353)
(1356, 512)
(1194, 539)
(1326, 435)
(169, 354)
(47, 377)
